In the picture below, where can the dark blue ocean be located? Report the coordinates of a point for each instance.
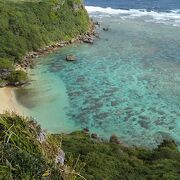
(155, 5)
(127, 83)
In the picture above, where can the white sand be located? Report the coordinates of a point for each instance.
(8, 101)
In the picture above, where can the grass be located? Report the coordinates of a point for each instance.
(27, 152)
(24, 156)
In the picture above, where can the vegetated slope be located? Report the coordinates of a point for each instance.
(28, 25)
(104, 160)
(27, 152)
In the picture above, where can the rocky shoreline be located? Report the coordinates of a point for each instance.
(113, 138)
(28, 60)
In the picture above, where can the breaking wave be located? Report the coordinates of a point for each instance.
(171, 17)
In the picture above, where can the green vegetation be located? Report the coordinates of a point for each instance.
(27, 152)
(103, 160)
(17, 77)
(8, 75)
(28, 25)
(6, 64)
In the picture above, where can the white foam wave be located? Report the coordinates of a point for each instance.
(171, 17)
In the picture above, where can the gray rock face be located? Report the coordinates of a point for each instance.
(60, 158)
(42, 136)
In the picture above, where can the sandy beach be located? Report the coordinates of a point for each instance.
(8, 101)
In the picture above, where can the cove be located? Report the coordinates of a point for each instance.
(127, 83)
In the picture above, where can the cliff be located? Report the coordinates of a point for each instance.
(28, 25)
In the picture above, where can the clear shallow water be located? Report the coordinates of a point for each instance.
(127, 83)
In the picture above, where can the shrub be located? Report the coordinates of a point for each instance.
(114, 161)
(6, 64)
(18, 76)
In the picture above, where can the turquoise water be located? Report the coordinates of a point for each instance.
(127, 83)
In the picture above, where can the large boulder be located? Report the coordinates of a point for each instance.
(72, 40)
(88, 40)
(70, 57)
(94, 136)
(114, 139)
(105, 29)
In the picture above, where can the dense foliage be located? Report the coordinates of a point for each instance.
(103, 160)
(28, 25)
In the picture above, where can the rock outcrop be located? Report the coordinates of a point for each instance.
(89, 37)
(105, 29)
(114, 139)
(70, 57)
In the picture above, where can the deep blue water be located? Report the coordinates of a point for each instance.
(157, 5)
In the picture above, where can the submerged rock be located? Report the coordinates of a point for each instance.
(102, 115)
(114, 103)
(143, 124)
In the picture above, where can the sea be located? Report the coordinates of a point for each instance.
(127, 83)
